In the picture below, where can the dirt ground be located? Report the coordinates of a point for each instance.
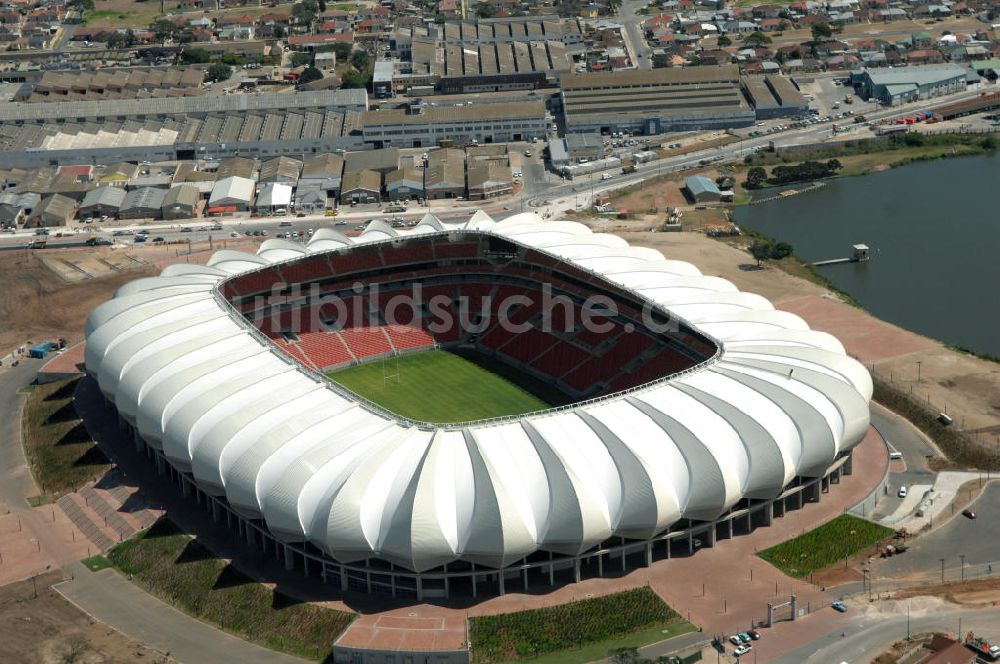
(36, 304)
(49, 630)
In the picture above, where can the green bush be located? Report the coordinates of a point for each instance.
(530, 633)
(822, 547)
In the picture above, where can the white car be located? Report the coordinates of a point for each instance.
(735, 640)
(902, 492)
(742, 650)
(605, 176)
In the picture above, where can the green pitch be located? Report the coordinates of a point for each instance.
(442, 387)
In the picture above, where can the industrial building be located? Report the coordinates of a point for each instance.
(102, 201)
(131, 130)
(701, 189)
(774, 96)
(180, 202)
(421, 125)
(907, 84)
(273, 197)
(142, 203)
(444, 176)
(232, 194)
(488, 55)
(322, 171)
(575, 148)
(655, 101)
(54, 210)
(14, 208)
(364, 186)
(404, 183)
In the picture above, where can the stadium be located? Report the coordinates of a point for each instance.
(453, 409)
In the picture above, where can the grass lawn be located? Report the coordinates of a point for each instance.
(575, 632)
(820, 548)
(60, 453)
(179, 570)
(443, 387)
(96, 563)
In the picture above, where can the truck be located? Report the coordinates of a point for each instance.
(849, 99)
(982, 648)
(893, 550)
(629, 167)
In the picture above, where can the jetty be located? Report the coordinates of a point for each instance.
(859, 254)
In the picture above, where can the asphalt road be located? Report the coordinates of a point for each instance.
(15, 480)
(905, 438)
(977, 539)
(877, 630)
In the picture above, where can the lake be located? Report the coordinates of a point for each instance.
(934, 233)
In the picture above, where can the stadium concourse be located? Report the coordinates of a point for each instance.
(694, 410)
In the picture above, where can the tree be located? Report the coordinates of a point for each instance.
(300, 59)
(834, 165)
(81, 5)
(781, 250)
(218, 72)
(779, 57)
(725, 40)
(757, 38)
(359, 59)
(343, 51)
(164, 29)
(661, 60)
(756, 176)
(821, 31)
(485, 10)
(195, 55)
(310, 74)
(122, 40)
(353, 79)
(761, 250)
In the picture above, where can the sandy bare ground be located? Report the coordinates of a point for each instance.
(36, 304)
(49, 630)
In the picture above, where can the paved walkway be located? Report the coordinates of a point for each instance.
(116, 601)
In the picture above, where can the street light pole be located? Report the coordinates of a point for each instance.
(962, 557)
(942, 569)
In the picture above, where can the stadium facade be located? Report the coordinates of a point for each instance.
(700, 411)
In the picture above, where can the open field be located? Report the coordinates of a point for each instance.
(822, 547)
(441, 387)
(36, 304)
(47, 629)
(59, 450)
(182, 572)
(589, 623)
(123, 14)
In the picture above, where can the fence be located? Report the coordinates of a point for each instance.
(913, 401)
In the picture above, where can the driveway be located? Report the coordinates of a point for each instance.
(15, 480)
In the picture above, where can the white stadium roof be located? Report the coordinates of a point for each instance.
(778, 400)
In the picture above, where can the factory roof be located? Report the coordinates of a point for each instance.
(474, 113)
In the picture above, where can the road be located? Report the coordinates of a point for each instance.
(877, 629)
(978, 540)
(634, 34)
(915, 448)
(15, 480)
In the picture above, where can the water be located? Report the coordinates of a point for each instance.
(934, 233)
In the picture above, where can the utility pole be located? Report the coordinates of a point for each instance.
(907, 619)
(962, 557)
(942, 569)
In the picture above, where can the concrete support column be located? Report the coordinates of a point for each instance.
(749, 522)
(474, 582)
(576, 570)
(524, 573)
(447, 587)
(623, 553)
(251, 534)
(848, 467)
(552, 574)
(185, 487)
(500, 582)
(729, 527)
(600, 564)
(343, 579)
(289, 558)
(690, 541)
(769, 512)
(136, 440)
(420, 589)
(649, 554)
(798, 495)
(305, 565)
(711, 535)
(160, 466)
(215, 511)
(368, 582)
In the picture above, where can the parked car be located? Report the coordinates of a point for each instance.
(742, 650)
(969, 514)
(839, 606)
(754, 634)
(902, 492)
(744, 637)
(735, 640)
(234, 234)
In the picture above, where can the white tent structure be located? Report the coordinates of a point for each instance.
(285, 450)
